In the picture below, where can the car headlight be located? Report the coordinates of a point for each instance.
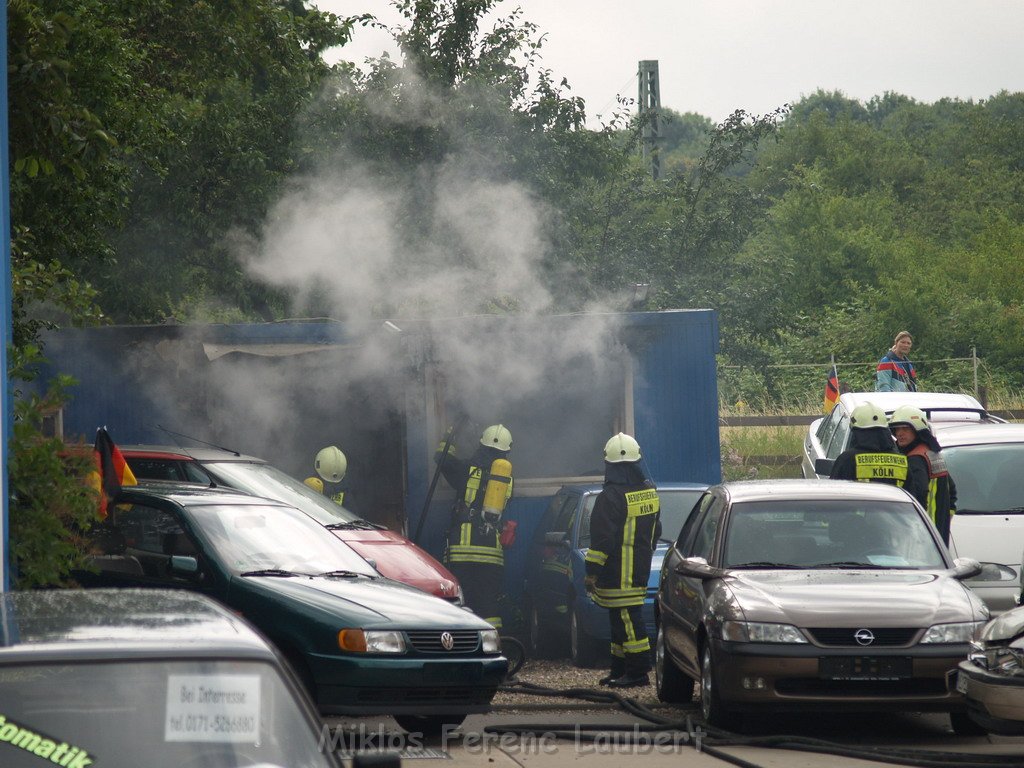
(999, 658)
(758, 632)
(489, 641)
(460, 597)
(371, 641)
(961, 632)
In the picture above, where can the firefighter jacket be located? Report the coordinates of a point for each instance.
(624, 530)
(875, 459)
(940, 497)
(471, 537)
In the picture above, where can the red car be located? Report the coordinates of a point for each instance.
(390, 553)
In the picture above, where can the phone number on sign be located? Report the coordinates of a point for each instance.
(217, 724)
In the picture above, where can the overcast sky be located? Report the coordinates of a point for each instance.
(716, 56)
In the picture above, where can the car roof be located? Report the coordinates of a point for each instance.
(595, 487)
(177, 453)
(927, 401)
(952, 435)
(771, 490)
(121, 623)
(190, 494)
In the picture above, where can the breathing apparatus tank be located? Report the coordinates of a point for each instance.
(497, 491)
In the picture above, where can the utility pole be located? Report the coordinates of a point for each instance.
(649, 112)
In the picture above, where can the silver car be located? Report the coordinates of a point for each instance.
(823, 594)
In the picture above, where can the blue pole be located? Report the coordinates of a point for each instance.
(5, 294)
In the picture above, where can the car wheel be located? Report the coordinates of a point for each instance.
(672, 685)
(429, 727)
(715, 713)
(584, 649)
(539, 640)
(963, 725)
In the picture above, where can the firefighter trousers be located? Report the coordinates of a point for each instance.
(482, 585)
(631, 648)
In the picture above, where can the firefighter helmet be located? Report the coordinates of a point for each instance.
(315, 483)
(621, 447)
(497, 436)
(866, 416)
(909, 416)
(331, 464)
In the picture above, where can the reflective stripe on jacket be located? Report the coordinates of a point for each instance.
(624, 528)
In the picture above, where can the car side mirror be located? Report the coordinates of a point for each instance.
(556, 538)
(994, 572)
(184, 566)
(966, 568)
(698, 568)
(823, 467)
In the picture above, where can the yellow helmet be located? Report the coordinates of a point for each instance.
(868, 415)
(331, 464)
(909, 416)
(620, 448)
(497, 436)
(315, 483)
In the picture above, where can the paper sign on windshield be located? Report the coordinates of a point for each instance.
(220, 708)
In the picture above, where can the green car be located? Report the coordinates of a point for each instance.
(362, 644)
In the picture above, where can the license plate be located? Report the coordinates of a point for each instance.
(452, 673)
(865, 667)
(961, 683)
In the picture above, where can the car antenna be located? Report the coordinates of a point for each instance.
(197, 440)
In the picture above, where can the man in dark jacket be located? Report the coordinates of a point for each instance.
(624, 528)
(915, 440)
(474, 552)
(872, 456)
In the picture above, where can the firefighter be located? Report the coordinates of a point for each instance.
(624, 528)
(872, 455)
(915, 440)
(331, 465)
(474, 551)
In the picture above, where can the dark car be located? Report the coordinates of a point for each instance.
(992, 677)
(361, 643)
(813, 595)
(561, 616)
(391, 553)
(123, 678)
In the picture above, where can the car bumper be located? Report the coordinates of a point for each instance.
(994, 701)
(751, 675)
(377, 685)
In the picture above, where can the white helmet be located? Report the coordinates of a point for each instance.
(909, 416)
(331, 464)
(868, 415)
(497, 436)
(621, 447)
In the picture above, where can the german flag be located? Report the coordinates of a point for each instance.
(112, 471)
(831, 389)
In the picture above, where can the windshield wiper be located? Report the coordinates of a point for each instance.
(851, 564)
(273, 572)
(345, 574)
(765, 564)
(359, 525)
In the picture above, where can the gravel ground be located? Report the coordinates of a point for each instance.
(561, 674)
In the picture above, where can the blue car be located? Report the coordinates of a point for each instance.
(561, 617)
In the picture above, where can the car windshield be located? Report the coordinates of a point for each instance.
(829, 534)
(988, 478)
(675, 506)
(162, 714)
(252, 537)
(271, 483)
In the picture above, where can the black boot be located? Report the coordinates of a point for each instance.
(630, 681)
(618, 670)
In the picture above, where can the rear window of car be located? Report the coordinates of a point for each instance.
(163, 714)
(988, 478)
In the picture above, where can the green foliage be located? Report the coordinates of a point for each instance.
(50, 502)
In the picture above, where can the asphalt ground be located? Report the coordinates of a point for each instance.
(531, 731)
